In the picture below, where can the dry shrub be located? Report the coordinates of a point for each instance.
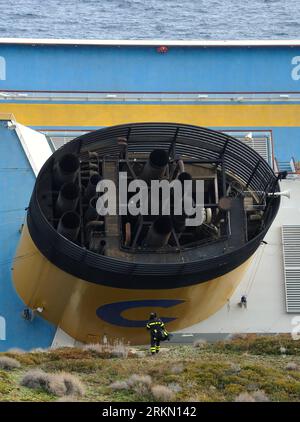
(73, 385)
(136, 379)
(164, 350)
(61, 384)
(142, 390)
(177, 369)
(256, 396)
(291, 366)
(141, 384)
(244, 397)
(117, 349)
(176, 388)
(162, 393)
(260, 396)
(119, 385)
(253, 386)
(137, 354)
(234, 368)
(55, 385)
(120, 349)
(68, 353)
(199, 397)
(9, 363)
(35, 378)
(96, 348)
(201, 343)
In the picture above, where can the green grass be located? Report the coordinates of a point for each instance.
(215, 372)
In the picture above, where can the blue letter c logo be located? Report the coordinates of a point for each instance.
(111, 312)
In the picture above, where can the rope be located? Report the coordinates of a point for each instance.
(253, 267)
(17, 257)
(257, 264)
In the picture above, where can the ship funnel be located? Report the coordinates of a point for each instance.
(66, 169)
(159, 232)
(155, 166)
(67, 198)
(69, 225)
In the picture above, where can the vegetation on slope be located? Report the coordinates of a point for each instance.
(245, 368)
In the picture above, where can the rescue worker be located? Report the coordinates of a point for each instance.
(158, 332)
(244, 301)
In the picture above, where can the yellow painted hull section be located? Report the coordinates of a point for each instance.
(87, 115)
(71, 303)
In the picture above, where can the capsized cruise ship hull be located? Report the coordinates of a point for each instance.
(261, 108)
(72, 303)
(89, 295)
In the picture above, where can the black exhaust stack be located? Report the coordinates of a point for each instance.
(67, 198)
(69, 225)
(65, 169)
(90, 190)
(159, 232)
(91, 213)
(156, 165)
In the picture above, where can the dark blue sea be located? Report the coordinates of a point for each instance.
(151, 19)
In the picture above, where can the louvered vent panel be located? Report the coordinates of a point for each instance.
(260, 145)
(59, 141)
(291, 259)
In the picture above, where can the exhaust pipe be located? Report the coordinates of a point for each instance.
(69, 225)
(156, 165)
(91, 213)
(67, 198)
(65, 169)
(179, 223)
(184, 176)
(159, 232)
(90, 190)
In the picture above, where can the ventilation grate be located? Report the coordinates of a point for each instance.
(291, 259)
(261, 144)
